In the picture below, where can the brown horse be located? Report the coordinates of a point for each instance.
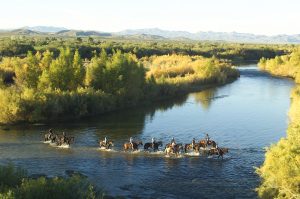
(195, 148)
(218, 151)
(108, 145)
(134, 146)
(175, 150)
(204, 143)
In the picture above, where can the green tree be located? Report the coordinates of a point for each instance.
(27, 74)
(125, 76)
(95, 74)
(79, 71)
(61, 72)
(46, 60)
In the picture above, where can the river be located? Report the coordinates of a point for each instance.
(245, 116)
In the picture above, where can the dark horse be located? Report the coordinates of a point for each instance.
(218, 151)
(60, 140)
(52, 137)
(134, 146)
(154, 146)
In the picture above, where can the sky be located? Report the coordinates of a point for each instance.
(268, 17)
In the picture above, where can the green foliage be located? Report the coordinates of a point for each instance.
(280, 172)
(182, 69)
(286, 65)
(236, 52)
(48, 87)
(61, 72)
(79, 70)
(12, 48)
(9, 105)
(11, 177)
(46, 60)
(125, 76)
(64, 188)
(95, 72)
(27, 74)
(15, 184)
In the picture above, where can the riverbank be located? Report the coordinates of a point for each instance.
(283, 66)
(280, 179)
(45, 89)
(280, 171)
(15, 183)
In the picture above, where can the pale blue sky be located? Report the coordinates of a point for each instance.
(268, 17)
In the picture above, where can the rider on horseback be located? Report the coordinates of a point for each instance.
(50, 134)
(131, 142)
(193, 143)
(173, 143)
(207, 138)
(153, 142)
(64, 137)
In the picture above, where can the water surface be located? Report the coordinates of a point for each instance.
(245, 116)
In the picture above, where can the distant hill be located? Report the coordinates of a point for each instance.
(215, 36)
(45, 29)
(23, 32)
(141, 36)
(80, 33)
(155, 34)
(61, 33)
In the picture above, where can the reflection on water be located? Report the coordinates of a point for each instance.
(244, 116)
(205, 97)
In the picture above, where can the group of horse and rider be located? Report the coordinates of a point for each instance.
(59, 140)
(206, 145)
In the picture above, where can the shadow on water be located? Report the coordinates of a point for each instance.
(133, 119)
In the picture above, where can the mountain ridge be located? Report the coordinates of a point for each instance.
(157, 34)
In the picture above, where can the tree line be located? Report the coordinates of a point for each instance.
(45, 87)
(286, 65)
(236, 52)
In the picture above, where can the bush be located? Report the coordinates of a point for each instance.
(286, 65)
(11, 177)
(58, 188)
(16, 184)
